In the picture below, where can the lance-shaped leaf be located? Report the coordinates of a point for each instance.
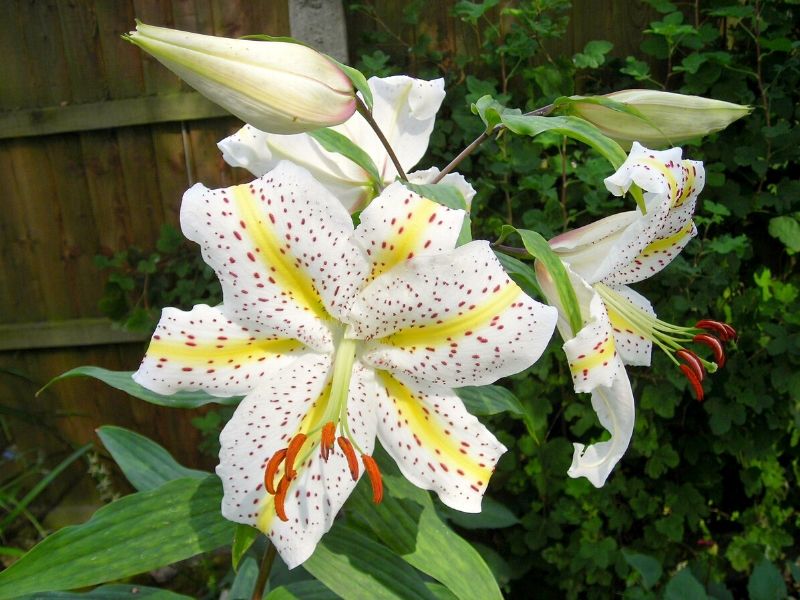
(333, 141)
(407, 522)
(145, 464)
(359, 568)
(122, 380)
(135, 534)
(120, 591)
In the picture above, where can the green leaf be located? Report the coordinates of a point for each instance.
(489, 400)
(359, 568)
(787, 230)
(122, 380)
(766, 582)
(493, 515)
(145, 464)
(572, 127)
(20, 506)
(684, 586)
(648, 567)
(577, 129)
(538, 247)
(333, 141)
(407, 522)
(243, 538)
(358, 79)
(593, 55)
(245, 579)
(491, 111)
(125, 591)
(302, 590)
(132, 535)
(522, 274)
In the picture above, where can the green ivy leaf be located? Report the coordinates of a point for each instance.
(766, 582)
(648, 567)
(593, 55)
(132, 535)
(145, 464)
(122, 380)
(787, 230)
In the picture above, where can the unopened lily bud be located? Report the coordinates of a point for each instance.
(663, 119)
(278, 87)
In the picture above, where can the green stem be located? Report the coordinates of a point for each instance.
(365, 112)
(263, 571)
(539, 112)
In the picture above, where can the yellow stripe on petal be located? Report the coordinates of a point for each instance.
(434, 334)
(668, 242)
(599, 356)
(688, 185)
(406, 238)
(278, 263)
(312, 421)
(430, 434)
(665, 171)
(220, 353)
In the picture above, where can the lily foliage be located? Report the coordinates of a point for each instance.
(355, 305)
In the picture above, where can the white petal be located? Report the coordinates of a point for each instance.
(655, 171)
(615, 409)
(263, 424)
(204, 350)
(451, 319)
(591, 353)
(280, 248)
(633, 348)
(405, 109)
(436, 443)
(457, 180)
(400, 224)
(258, 152)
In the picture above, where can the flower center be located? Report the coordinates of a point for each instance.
(322, 434)
(625, 315)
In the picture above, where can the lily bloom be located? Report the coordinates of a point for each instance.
(337, 335)
(404, 109)
(619, 324)
(278, 86)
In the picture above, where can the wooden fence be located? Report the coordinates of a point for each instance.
(97, 144)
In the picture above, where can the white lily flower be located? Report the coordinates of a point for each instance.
(404, 109)
(278, 86)
(337, 336)
(620, 325)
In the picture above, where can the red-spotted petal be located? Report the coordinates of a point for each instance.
(633, 347)
(263, 424)
(202, 349)
(280, 248)
(399, 225)
(436, 443)
(451, 319)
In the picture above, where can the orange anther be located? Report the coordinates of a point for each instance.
(698, 388)
(692, 360)
(291, 453)
(374, 474)
(715, 345)
(349, 453)
(272, 468)
(327, 437)
(280, 498)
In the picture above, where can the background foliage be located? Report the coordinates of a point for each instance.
(704, 503)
